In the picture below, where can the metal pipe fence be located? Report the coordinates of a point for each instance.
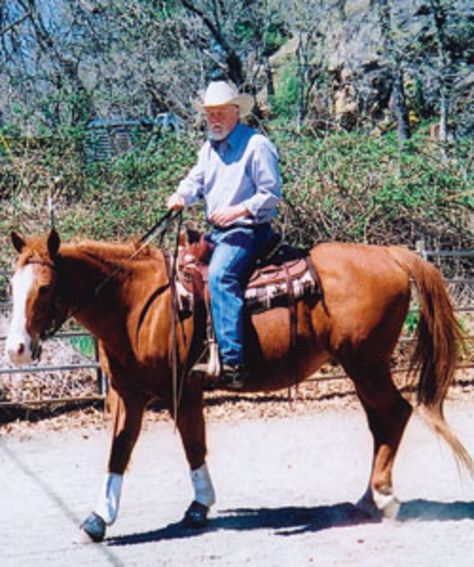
(101, 380)
(66, 335)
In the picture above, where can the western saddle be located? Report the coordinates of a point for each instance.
(283, 276)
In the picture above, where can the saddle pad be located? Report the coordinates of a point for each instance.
(269, 286)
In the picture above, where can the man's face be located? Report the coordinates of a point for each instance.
(221, 120)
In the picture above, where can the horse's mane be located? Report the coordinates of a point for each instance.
(113, 251)
(112, 255)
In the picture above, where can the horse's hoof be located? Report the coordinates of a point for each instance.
(391, 508)
(196, 516)
(94, 527)
(367, 507)
(378, 505)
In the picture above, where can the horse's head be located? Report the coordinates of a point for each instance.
(33, 289)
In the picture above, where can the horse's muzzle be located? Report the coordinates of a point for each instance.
(23, 350)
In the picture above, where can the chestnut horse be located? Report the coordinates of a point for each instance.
(124, 299)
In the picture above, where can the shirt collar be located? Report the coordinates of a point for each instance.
(234, 136)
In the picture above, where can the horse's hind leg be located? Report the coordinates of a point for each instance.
(387, 413)
(127, 412)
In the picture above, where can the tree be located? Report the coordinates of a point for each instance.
(238, 39)
(445, 53)
(43, 66)
(306, 23)
(214, 17)
(396, 69)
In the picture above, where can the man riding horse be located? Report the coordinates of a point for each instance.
(238, 177)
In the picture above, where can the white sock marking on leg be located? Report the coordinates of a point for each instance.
(202, 484)
(109, 498)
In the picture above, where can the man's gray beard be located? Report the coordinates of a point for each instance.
(218, 137)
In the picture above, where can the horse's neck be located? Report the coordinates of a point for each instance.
(88, 283)
(101, 285)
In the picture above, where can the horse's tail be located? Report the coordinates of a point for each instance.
(438, 340)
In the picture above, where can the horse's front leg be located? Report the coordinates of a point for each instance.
(127, 412)
(191, 427)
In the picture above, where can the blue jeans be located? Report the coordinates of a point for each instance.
(232, 262)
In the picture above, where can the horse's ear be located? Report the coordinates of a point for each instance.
(53, 243)
(18, 241)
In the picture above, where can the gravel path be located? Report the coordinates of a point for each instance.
(284, 487)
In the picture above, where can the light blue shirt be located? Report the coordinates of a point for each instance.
(242, 169)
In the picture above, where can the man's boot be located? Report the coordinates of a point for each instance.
(233, 377)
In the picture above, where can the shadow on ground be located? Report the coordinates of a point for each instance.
(295, 520)
(430, 511)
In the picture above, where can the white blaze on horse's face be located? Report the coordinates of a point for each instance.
(19, 344)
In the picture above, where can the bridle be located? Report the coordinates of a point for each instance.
(57, 322)
(55, 325)
(44, 334)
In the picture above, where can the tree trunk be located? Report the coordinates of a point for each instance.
(303, 76)
(443, 116)
(235, 69)
(400, 108)
(439, 16)
(270, 85)
(396, 72)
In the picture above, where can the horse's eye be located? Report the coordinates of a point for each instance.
(44, 289)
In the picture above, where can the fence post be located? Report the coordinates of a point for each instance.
(101, 377)
(420, 247)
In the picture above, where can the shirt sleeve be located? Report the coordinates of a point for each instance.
(191, 187)
(266, 176)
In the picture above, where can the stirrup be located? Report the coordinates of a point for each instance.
(211, 368)
(200, 368)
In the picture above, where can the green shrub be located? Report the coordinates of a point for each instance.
(346, 186)
(353, 187)
(85, 345)
(285, 101)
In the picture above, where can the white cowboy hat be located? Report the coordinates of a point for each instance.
(220, 93)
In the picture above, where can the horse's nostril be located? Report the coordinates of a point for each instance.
(21, 348)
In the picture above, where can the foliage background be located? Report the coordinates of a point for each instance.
(392, 163)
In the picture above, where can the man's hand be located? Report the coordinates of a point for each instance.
(175, 202)
(228, 215)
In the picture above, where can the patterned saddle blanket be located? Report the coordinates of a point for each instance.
(285, 276)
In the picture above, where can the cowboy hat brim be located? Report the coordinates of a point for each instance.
(244, 101)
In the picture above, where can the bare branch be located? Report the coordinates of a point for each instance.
(15, 23)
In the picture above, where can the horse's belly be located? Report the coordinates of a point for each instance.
(277, 357)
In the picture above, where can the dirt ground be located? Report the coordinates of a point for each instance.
(285, 484)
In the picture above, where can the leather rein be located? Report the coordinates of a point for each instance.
(171, 265)
(56, 323)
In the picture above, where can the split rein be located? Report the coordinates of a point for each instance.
(161, 226)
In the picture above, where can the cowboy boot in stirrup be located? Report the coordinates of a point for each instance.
(233, 377)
